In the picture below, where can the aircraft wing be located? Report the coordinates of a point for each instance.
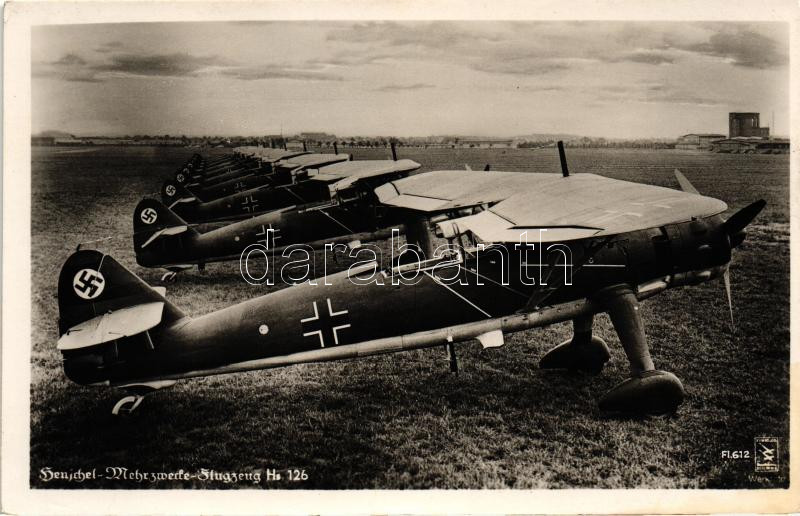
(270, 155)
(345, 174)
(313, 160)
(445, 190)
(581, 206)
(267, 153)
(578, 206)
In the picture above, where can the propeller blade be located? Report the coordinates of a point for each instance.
(743, 217)
(726, 278)
(686, 185)
(563, 158)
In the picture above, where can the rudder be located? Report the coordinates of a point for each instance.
(172, 192)
(159, 234)
(107, 316)
(92, 283)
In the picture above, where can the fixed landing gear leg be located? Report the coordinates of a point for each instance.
(583, 352)
(451, 357)
(418, 233)
(648, 390)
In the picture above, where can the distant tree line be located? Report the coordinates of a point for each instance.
(279, 141)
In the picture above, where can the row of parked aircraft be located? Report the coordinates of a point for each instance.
(275, 197)
(523, 250)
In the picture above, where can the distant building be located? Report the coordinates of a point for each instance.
(746, 125)
(39, 141)
(698, 141)
(486, 143)
(752, 145)
(69, 141)
(294, 144)
(317, 137)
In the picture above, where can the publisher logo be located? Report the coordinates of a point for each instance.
(766, 454)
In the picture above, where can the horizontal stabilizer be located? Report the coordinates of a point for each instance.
(147, 387)
(112, 325)
(177, 267)
(183, 200)
(175, 230)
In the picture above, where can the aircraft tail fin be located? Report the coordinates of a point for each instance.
(107, 316)
(159, 234)
(93, 284)
(184, 175)
(173, 192)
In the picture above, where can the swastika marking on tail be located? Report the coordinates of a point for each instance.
(170, 190)
(88, 283)
(148, 215)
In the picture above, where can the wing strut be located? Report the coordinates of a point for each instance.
(541, 294)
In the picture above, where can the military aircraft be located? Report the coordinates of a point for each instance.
(283, 172)
(524, 251)
(233, 166)
(315, 185)
(349, 214)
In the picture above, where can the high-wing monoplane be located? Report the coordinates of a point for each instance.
(523, 251)
(236, 165)
(315, 185)
(329, 204)
(283, 172)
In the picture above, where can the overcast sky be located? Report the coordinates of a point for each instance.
(626, 79)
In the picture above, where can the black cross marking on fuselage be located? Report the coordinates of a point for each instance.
(249, 204)
(88, 283)
(269, 243)
(325, 324)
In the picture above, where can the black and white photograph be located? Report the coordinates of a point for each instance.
(287, 252)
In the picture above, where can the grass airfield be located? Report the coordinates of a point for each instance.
(403, 420)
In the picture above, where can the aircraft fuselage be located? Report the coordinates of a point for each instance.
(368, 311)
(247, 203)
(309, 226)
